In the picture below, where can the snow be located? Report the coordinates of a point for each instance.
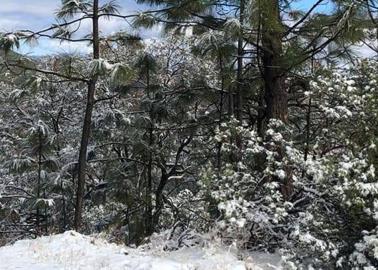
(73, 251)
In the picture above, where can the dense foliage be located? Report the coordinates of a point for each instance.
(197, 133)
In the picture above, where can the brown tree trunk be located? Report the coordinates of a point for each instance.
(275, 95)
(273, 74)
(86, 131)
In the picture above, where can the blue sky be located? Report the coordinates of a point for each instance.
(38, 14)
(307, 4)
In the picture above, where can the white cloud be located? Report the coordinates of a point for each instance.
(38, 8)
(49, 46)
(68, 47)
(8, 24)
(39, 14)
(107, 26)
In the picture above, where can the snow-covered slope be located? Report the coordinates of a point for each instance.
(73, 251)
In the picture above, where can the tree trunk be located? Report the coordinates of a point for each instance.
(273, 74)
(219, 144)
(275, 95)
(82, 163)
(38, 222)
(149, 217)
(159, 197)
(239, 77)
(238, 105)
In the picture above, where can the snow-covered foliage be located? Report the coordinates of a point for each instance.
(168, 166)
(248, 195)
(315, 200)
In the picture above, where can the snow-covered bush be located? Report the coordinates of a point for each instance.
(313, 197)
(250, 195)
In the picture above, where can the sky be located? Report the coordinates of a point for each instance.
(39, 14)
(305, 5)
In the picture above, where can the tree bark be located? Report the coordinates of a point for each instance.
(275, 94)
(219, 144)
(86, 131)
(239, 77)
(38, 222)
(159, 197)
(273, 74)
(149, 216)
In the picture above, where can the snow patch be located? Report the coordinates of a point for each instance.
(73, 251)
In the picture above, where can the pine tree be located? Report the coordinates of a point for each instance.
(72, 13)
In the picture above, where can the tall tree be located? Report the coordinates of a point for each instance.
(86, 132)
(70, 16)
(277, 46)
(273, 75)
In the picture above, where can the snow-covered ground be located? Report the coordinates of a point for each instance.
(73, 251)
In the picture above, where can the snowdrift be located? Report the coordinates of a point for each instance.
(73, 251)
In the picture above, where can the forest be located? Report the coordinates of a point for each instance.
(253, 123)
